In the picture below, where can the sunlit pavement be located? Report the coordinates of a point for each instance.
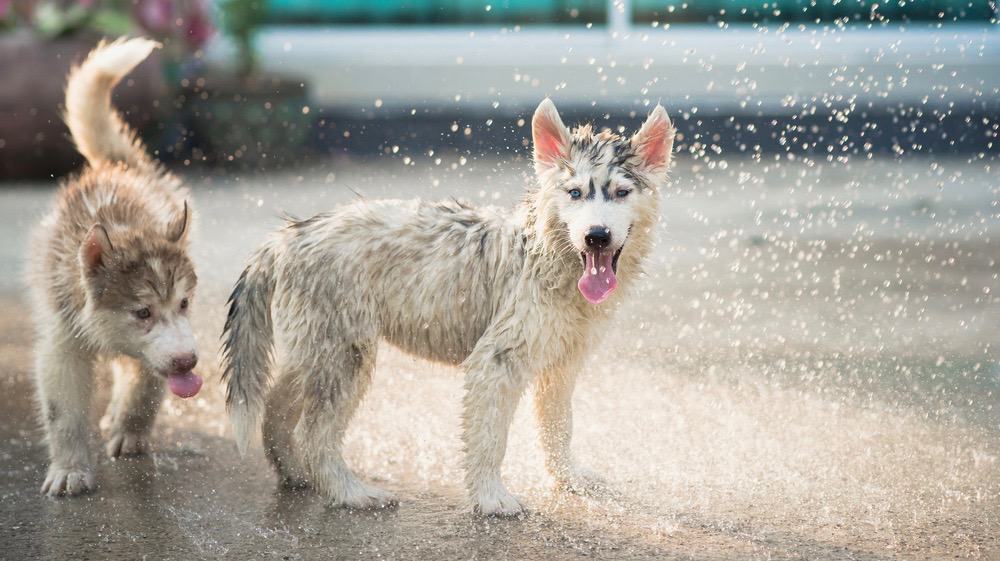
(809, 371)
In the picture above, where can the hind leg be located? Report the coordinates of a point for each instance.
(332, 391)
(135, 400)
(282, 411)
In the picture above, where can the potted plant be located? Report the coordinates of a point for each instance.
(39, 41)
(242, 115)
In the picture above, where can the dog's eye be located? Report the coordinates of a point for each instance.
(143, 313)
(575, 193)
(622, 193)
(184, 304)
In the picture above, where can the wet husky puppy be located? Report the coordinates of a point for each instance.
(110, 278)
(515, 298)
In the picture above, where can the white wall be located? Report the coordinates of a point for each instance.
(738, 69)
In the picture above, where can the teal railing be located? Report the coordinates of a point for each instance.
(549, 12)
(815, 11)
(386, 12)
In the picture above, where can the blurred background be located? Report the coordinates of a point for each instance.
(277, 82)
(809, 370)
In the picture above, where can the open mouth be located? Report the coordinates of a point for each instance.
(600, 269)
(614, 258)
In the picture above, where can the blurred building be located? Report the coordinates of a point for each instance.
(826, 63)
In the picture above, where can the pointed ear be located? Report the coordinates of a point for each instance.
(96, 248)
(178, 229)
(549, 135)
(654, 142)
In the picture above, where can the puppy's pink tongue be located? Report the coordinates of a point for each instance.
(184, 385)
(598, 280)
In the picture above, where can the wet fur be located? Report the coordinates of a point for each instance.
(116, 238)
(490, 290)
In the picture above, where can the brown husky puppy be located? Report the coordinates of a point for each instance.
(110, 278)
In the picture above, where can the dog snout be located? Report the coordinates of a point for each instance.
(184, 363)
(599, 237)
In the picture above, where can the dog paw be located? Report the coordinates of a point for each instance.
(68, 482)
(582, 481)
(125, 443)
(499, 503)
(363, 497)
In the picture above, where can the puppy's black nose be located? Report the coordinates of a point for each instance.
(599, 237)
(184, 363)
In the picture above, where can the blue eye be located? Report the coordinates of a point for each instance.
(575, 193)
(622, 193)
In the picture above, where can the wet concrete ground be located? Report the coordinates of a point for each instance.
(810, 371)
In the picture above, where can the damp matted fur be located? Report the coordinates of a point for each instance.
(514, 297)
(110, 279)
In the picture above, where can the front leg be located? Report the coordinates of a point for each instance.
(493, 386)
(554, 411)
(135, 400)
(64, 378)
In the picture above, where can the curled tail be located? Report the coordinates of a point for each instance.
(98, 130)
(248, 345)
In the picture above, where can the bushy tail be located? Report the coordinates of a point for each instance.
(99, 132)
(248, 345)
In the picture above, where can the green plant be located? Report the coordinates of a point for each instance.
(240, 20)
(61, 18)
(184, 23)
